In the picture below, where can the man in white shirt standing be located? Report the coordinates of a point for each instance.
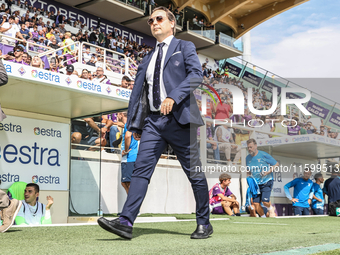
(13, 31)
(33, 212)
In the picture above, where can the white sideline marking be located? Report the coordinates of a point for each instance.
(300, 216)
(259, 223)
(138, 220)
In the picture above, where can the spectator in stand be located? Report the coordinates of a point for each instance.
(303, 131)
(94, 37)
(100, 62)
(294, 130)
(18, 52)
(278, 127)
(265, 120)
(62, 29)
(53, 66)
(25, 32)
(131, 84)
(87, 132)
(50, 34)
(177, 14)
(37, 62)
(53, 45)
(311, 129)
(210, 141)
(100, 76)
(84, 74)
(35, 33)
(12, 30)
(223, 110)
(101, 38)
(224, 135)
(92, 62)
(69, 51)
(69, 70)
(125, 82)
(87, 55)
(201, 23)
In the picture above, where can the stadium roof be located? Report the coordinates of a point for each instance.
(234, 13)
(240, 15)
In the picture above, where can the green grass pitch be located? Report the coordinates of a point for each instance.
(239, 235)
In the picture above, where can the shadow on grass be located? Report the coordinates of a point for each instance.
(13, 230)
(144, 231)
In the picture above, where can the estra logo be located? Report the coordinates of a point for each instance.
(26, 154)
(50, 132)
(89, 86)
(45, 75)
(37, 131)
(34, 73)
(45, 179)
(35, 178)
(123, 93)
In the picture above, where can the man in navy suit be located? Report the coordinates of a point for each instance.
(166, 114)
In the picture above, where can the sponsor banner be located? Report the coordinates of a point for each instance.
(232, 69)
(252, 78)
(293, 139)
(268, 86)
(92, 21)
(335, 119)
(65, 81)
(34, 151)
(317, 110)
(293, 96)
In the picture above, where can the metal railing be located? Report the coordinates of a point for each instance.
(210, 34)
(230, 41)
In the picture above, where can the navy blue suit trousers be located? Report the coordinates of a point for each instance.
(159, 131)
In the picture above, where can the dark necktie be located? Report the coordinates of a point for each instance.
(156, 78)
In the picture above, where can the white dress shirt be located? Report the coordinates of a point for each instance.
(150, 72)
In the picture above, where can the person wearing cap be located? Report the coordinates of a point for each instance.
(318, 201)
(69, 69)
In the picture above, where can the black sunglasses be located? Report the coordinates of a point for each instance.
(18, 50)
(158, 18)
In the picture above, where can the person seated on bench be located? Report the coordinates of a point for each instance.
(33, 212)
(222, 200)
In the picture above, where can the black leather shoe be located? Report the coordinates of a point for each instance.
(115, 227)
(201, 232)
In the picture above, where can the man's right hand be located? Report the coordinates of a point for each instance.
(294, 200)
(137, 136)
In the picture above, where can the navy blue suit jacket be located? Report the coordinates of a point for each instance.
(182, 74)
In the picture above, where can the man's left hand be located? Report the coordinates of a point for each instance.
(167, 105)
(49, 202)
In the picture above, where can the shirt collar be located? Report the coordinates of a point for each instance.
(167, 40)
